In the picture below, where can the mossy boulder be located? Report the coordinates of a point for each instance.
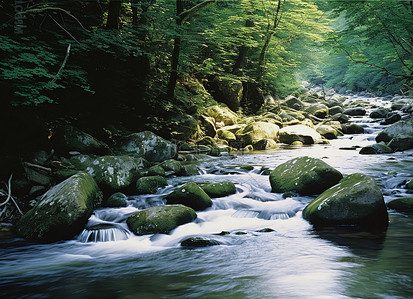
(221, 114)
(171, 167)
(379, 113)
(356, 111)
(160, 219)
(391, 118)
(184, 126)
(228, 90)
(147, 145)
(67, 138)
(327, 131)
(199, 242)
(374, 149)
(116, 173)
(355, 200)
(352, 129)
(399, 134)
(304, 175)
(222, 189)
(256, 131)
(265, 144)
(318, 110)
(293, 102)
(335, 110)
(226, 135)
(402, 204)
(190, 170)
(116, 200)
(340, 117)
(63, 211)
(150, 184)
(190, 195)
(302, 133)
(156, 170)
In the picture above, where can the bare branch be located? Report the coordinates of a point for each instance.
(58, 74)
(187, 13)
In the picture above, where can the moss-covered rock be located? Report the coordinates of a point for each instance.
(304, 175)
(147, 145)
(352, 129)
(116, 200)
(374, 149)
(357, 111)
(190, 170)
(335, 110)
(379, 113)
(222, 189)
(265, 144)
(150, 184)
(226, 135)
(190, 195)
(340, 117)
(256, 131)
(356, 200)
(293, 102)
(171, 167)
(160, 219)
(399, 134)
(156, 170)
(221, 114)
(67, 138)
(184, 126)
(228, 90)
(327, 131)
(63, 210)
(402, 204)
(207, 125)
(302, 133)
(318, 110)
(199, 242)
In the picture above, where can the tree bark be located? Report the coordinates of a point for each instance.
(113, 20)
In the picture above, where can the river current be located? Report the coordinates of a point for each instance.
(292, 261)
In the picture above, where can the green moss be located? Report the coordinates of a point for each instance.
(402, 204)
(160, 220)
(116, 200)
(219, 189)
(150, 184)
(190, 195)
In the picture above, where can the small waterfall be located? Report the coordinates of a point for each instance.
(266, 215)
(103, 232)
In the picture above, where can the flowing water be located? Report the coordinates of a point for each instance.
(293, 261)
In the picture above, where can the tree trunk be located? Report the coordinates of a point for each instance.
(113, 20)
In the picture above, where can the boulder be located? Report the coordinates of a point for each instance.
(304, 175)
(340, 117)
(265, 144)
(357, 111)
(356, 200)
(222, 189)
(171, 167)
(318, 110)
(190, 195)
(327, 131)
(352, 129)
(160, 219)
(374, 149)
(400, 134)
(156, 170)
(63, 211)
(256, 131)
(301, 133)
(335, 110)
(402, 204)
(147, 145)
(234, 128)
(150, 184)
(226, 135)
(199, 242)
(67, 138)
(379, 113)
(292, 102)
(190, 170)
(228, 90)
(116, 173)
(391, 118)
(116, 200)
(221, 114)
(207, 125)
(184, 126)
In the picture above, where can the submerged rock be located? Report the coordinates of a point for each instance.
(199, 242)
(146, 144)
(374, 149)
(402, 204)
(219, 189)
(160, 219)
(304, 175)
(150, 184)
(63, 211)
(356, 200)
(301, 133)
(190, 195)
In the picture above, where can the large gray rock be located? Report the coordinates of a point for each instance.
(63, 211)
(399, 135)
(379, 113)
(67, 138)
(160, 219)
(147, 145)
(357, 111)
(256, 131)
(301, 133)
(304, 175)
(190, 195)
(356, 200)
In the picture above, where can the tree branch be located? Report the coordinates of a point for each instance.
(187, 13)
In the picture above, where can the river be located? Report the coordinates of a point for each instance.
(293, 261)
